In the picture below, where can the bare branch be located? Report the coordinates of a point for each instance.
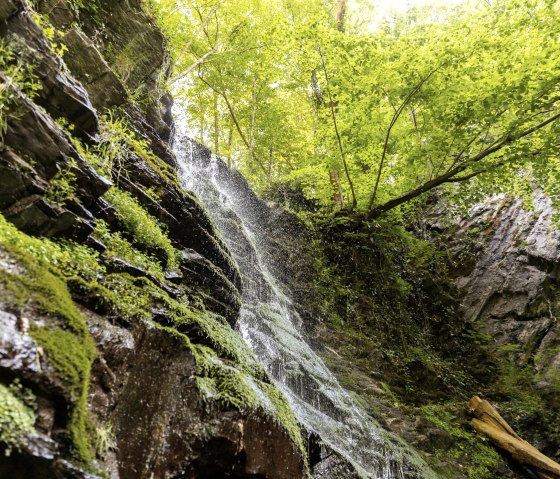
(198, 62)
(197, 33)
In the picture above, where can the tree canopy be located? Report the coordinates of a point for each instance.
(371, 114)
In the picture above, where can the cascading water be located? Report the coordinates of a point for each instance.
(271, 326)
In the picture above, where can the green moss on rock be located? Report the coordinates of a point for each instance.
(65, 337)
(71, 358)
(142, 227)
(478, 457)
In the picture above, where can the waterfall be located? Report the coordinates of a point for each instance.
(271, 326)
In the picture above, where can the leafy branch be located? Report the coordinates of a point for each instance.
(452, 175)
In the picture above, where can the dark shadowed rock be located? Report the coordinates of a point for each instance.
(61, 94)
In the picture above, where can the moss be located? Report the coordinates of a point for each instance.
(118, 142)
(145, 230)
(229, 387)
(39, 285)
(71, 358)
(227, 372)
(65, 338)
(119, 247)
(219, 335)
(17, 415)
(479, 458)
(285, 417)
(239, 382)
(130, 296)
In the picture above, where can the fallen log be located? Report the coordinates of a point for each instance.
(489, 422)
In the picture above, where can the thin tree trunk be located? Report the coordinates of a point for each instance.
(340, 15)
(270, 153)
(394, 119)
(202, 126)
(333, 113)
(229, 144)
(234, 118)
(216, 126)
(338, 197)
(252, 130)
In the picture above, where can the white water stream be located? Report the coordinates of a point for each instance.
(271, 326)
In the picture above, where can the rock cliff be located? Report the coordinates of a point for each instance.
(117, 294)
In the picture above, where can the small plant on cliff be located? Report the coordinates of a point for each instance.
(119, 247)
(53, 36)
(62, 187)
(16, 76)
(17, 415)
(118, 143)
(104, 440)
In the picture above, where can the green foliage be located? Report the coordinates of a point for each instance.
(17, 415)
(389, 259)
(119, 247)
(118, 143)
(16, 76)
(53, 35)
(143, 228)
(62, 187)
(467, 447)
(447, 90)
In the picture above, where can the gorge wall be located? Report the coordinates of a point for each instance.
(117, 358)
(118, 293)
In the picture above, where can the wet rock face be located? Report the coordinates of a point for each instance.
(148, 417)
(162, 426)
(509, 284)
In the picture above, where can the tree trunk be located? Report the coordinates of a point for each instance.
(216, 126)
(489, 422)
(340, 14)
(229, 144)
(338, 197)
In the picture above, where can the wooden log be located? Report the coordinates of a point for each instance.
(489, 422)
(484, 411)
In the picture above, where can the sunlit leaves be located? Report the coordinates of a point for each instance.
(256, 91)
